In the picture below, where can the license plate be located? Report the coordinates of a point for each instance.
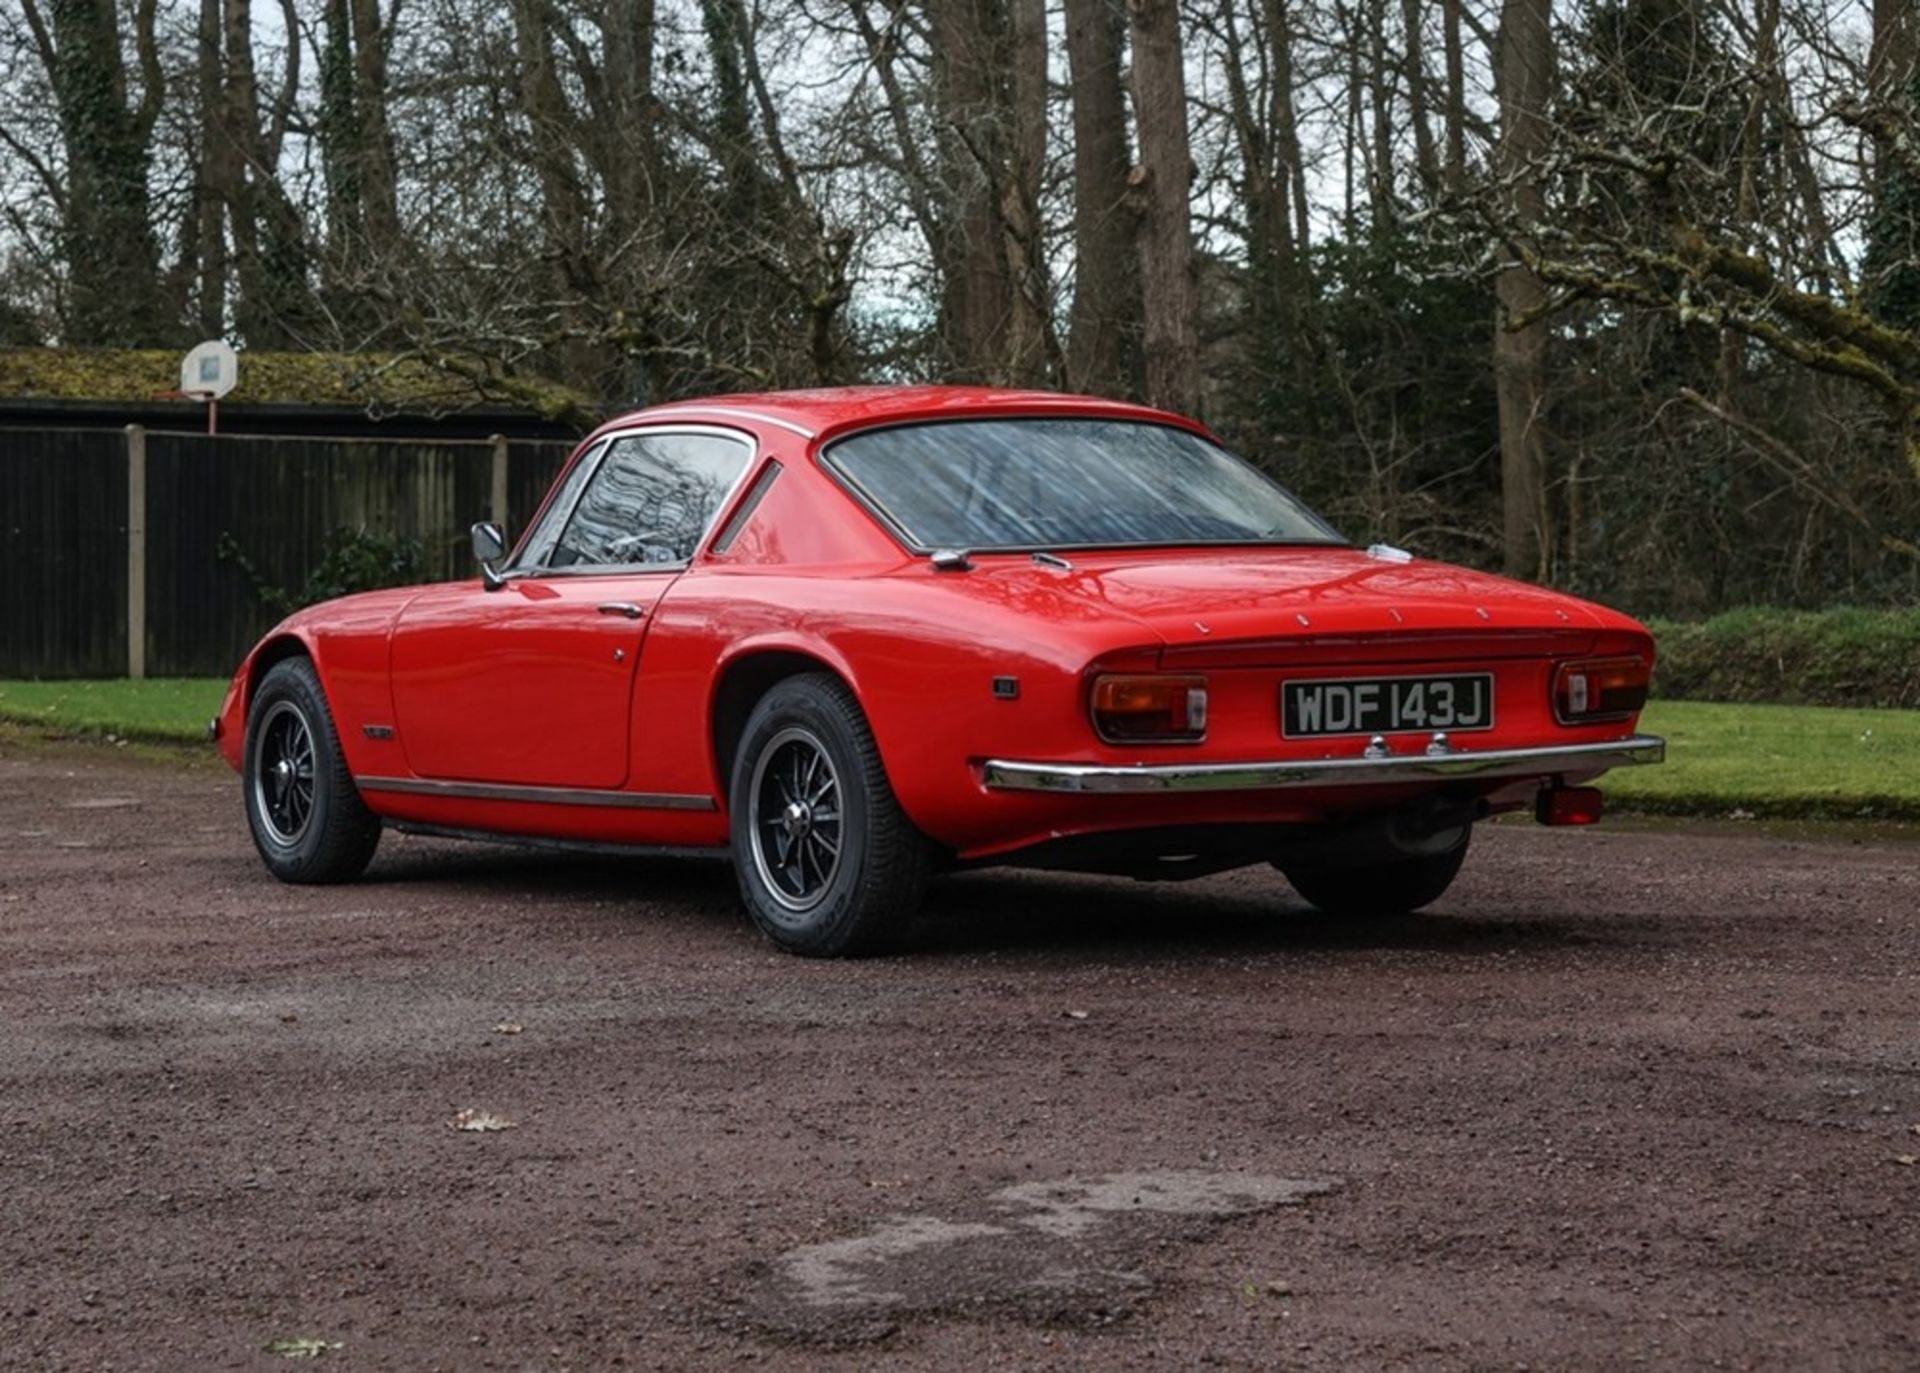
(1385, 705)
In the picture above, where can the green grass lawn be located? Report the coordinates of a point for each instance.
(159, 708)
(1798, 761)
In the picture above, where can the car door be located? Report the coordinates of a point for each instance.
(532, 683)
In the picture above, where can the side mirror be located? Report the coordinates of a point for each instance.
(489, 547)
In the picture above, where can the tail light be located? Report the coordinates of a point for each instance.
(1568, 806)
(1150, 709)
(1600, 689)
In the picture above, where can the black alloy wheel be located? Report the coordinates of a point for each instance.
(307, 818)
(829, 865)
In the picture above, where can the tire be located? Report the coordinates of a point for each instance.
(307, 818)
(1393, 888)
(829, 865)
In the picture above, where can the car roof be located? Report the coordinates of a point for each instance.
(817, 413)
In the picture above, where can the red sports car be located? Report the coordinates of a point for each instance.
(858, 637)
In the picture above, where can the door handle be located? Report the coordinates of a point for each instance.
(626, 608)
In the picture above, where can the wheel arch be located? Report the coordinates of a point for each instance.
(272, 652)
(738, 686)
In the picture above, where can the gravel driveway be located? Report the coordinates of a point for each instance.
(1631, 1096)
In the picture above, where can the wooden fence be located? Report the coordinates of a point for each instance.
(110, 540)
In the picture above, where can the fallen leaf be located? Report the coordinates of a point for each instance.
(302, 1347)
(473, 1120)
(508, 1027)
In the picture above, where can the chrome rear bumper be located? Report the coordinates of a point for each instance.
(1546, 761)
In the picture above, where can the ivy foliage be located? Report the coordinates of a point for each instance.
(351, 560)
(1893, 238)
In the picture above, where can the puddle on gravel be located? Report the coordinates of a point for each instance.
(1064, 1249)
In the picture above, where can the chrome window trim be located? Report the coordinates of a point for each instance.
(721, 539)
(662, 428)
(740, 413)
(999, 774)
(552, 796)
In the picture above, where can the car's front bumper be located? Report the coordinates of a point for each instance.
(1459, 765)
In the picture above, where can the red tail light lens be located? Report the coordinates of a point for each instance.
(1600, 689)
(1569, 806)
(1143, 709)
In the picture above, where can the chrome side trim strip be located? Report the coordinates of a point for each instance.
(552, 796)
(547, 844)
(735, 411)
(1546, 760)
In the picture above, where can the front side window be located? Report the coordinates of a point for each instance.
(1020, 484)
(648, 502)
(539, 544)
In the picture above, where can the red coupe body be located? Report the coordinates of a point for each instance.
(605, 704)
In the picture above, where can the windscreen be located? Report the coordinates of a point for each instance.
(1066, 483)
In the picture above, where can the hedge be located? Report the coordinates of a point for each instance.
(1842, 657)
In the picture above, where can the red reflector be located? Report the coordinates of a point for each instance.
(1568, 806)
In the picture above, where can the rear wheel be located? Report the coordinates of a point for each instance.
(307, 818)
(1389, 888)
(829, 865)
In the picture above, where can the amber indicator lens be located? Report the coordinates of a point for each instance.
(1600, 689)
(1150, 709)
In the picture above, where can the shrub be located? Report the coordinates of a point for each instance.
(1845, 657)
(351, 560)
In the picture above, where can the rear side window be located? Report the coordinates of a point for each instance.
(650, 501)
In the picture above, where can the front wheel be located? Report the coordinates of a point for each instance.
(307, 818)
(829, 865)
(1391, 888)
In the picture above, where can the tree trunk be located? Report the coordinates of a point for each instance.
(338, 130)
(1380, 95)
(378, 184)
(970, 254)
(1523, 75)
(1426, 157)
(1286, 122)
(1031, 347)
(1170, 340)
(212, 184)
(1103, 327)
(1451, 20)
(627, 33)
(1890, 59)
(563, 204)
(113, 288)
(1267, 142)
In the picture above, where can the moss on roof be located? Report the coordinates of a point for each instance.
(362, 381)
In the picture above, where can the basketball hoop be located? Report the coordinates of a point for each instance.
(206, 374)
